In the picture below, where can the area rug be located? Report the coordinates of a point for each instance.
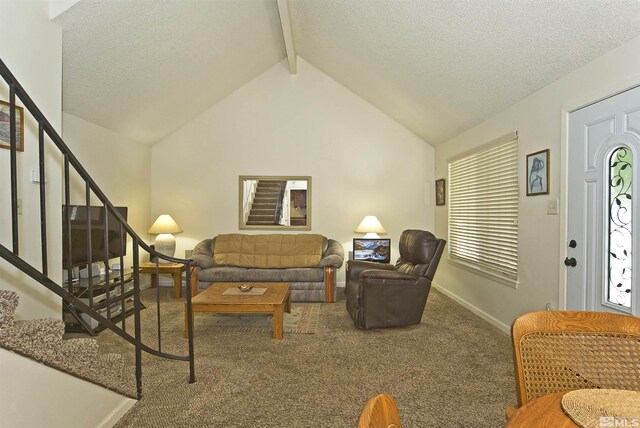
(304, 318)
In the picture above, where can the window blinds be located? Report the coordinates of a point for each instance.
(483, 209)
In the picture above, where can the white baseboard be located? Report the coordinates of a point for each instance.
(118, 413)
(482, 314)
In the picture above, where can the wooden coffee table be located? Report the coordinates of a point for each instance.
(275, 300)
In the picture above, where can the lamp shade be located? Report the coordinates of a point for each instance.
(370, 225)
(164, 224)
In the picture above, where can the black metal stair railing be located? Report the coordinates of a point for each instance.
(71, 302)
(280, 202)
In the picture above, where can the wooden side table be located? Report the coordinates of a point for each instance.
(174, 269)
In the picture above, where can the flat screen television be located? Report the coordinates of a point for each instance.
(79, 230)
(372, 250)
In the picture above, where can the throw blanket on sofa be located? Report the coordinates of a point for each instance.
(268, 251)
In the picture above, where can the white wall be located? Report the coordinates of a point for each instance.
(34, 395)
(31, 46)
(121, 167)
(539, 120)
(361, 161)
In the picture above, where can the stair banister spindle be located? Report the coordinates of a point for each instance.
(192, 369)
(136, 314)
(158, 302)
(14, 167)
(43, 201)
(67, 221)
(87, 203)
(123, 243)
(106, 260)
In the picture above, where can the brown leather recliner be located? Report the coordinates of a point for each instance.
(384, 295)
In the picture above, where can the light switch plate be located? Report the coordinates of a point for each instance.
(552, 207)
(35, 176)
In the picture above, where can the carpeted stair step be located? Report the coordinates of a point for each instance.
(108, 371)
(270, 207)
(42, 340)
(263, 217)
(79, 351)
(8, 305)
(261, 211)
(265, 200)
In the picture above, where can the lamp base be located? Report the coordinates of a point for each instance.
(165, 244)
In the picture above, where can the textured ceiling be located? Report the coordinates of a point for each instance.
(143, 68)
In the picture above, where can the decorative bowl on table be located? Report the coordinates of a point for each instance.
(245, 287)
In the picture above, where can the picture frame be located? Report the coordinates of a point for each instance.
(537, 167)
(440, 192)
(372, 250)
(5, 127)
(294, 200)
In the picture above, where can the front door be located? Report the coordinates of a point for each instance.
(603, 211)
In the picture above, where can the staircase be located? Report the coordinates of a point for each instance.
(266, 201)
(42, 340)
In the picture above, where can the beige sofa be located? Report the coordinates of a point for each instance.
(307, 261)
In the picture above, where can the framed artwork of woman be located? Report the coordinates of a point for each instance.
(538, 173)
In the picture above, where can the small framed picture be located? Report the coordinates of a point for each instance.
(538, 173)
(5, 127)
(440, 192)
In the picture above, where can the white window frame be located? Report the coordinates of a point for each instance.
(483, 210)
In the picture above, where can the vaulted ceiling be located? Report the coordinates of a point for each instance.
(144, 68)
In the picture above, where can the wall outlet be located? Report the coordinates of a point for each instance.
(552, 207)
(549, 307)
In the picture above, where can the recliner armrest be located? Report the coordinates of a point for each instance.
(356, 267)
(387, 276)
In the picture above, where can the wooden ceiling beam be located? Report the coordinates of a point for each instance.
(287, 34)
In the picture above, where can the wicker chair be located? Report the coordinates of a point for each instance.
(380, 412)
(559, 351)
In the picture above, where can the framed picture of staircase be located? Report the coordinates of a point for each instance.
(5, 127)
(275, 202)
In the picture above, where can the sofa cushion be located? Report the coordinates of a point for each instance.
(238, 274)
(268, 251)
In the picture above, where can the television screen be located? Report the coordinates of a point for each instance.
(78, 234)
(373, 250)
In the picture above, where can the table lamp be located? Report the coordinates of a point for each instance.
(371, 226)
(165, 243)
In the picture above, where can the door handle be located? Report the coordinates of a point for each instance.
(570, 262)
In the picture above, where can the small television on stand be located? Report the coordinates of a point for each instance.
(75, 249)
(372, 250)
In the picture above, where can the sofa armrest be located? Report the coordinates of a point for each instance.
(334, 255)
(202, 254)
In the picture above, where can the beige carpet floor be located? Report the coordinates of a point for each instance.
(452, 370)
